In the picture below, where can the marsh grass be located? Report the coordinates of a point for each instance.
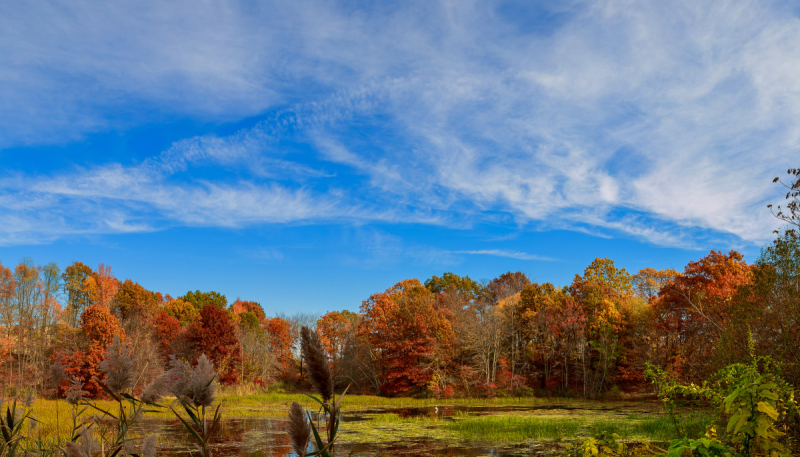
(393, 418)
(515, 429)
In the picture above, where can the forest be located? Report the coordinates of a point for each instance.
(444, 337)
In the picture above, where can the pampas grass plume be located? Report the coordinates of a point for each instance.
(299, 429)
(318, 369)
(149, 446)
(119, 366)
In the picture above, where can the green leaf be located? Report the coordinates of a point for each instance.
(107, 413)
(337, 402)
(762, 428)
(769, 394)
(105, 387)
(737, 421)
(193, 416)
(188, 427)
(324, 406)
(731, 398)
(321, 447)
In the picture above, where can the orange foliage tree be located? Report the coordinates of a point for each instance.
(409, 335)
(133, 300)
(334, 328)
(691, 312)
(242, 306)
(101, 286)
(279, 332)
(99, 327)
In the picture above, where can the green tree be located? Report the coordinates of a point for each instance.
(201, 299)
(451, 282)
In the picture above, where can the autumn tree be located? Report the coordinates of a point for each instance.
(648, 282)
(279, 333)
(74, 279)
(254, 308)
(101, 286)
(334, 329)
(538, 310)
(134, 300)
(408, 333)
(693, 310)
(168, 332)
(98, 327)
(603, 291)
(506, 285)
(769, 308)
(185, 312)
(7, 287)
(214, 335)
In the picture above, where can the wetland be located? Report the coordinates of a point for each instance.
(254, 425)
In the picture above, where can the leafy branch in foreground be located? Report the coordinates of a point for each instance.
(759, 405)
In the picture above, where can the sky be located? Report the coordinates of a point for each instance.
(308, 154)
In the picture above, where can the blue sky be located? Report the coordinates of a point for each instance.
(307, 154)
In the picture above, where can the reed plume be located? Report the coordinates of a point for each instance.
(193, 386)
(149, 446)
(74, 394)
(87, 445)
(119, 366)
(299, 429)
(318, 369)
(57, 373)
(154, 391)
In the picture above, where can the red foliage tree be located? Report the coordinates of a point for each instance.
(215, 336)
(408, 334)
(167, 331)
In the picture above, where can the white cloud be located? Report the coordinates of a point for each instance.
(654, 119)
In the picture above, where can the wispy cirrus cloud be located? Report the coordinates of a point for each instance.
(505, 253)
(653, 120)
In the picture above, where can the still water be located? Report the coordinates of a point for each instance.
(266, 437)
(263, 437)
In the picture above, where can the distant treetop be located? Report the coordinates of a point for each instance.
(200, 299)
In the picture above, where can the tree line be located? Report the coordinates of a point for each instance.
(447, 336)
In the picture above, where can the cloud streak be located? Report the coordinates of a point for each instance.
(505, 253)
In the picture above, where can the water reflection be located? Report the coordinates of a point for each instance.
(262, 437)
(266, 437)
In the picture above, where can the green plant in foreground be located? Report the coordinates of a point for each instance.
(11, 427)
(759, 406)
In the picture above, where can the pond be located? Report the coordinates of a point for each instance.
(406, 432)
